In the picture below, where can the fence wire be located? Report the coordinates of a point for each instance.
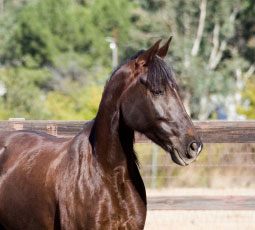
(219, 166)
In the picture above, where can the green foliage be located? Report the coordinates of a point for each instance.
(248, 106)
(76, 104)
(45, 29)
(110, 15)
(48, 43)
(23, 97)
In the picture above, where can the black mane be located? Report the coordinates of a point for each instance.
(159, 76)
(126, 61)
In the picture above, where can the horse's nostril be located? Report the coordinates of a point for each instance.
(194, 146)
(192, 150)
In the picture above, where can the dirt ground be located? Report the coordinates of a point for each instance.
(201, 220)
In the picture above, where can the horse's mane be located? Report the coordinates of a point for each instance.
(126, 61)
(159, 76)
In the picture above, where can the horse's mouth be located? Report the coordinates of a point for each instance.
(178, 159)
(175, 155)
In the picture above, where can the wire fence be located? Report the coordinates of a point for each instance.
(219, 166)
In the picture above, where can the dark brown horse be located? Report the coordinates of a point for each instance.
(91, 181)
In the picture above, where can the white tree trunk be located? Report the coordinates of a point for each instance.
(200, 30)
(1, 7)
(216, 59)
(250, 72)
(219, 47)
(215, 48)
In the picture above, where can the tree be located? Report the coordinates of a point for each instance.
(23, 97)
(46, 43)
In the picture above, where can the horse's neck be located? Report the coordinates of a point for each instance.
(114, 151)
(111, 139)
(106, 144)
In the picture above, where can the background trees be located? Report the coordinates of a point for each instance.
(55, 55)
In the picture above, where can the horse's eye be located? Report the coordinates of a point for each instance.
(164, 119)
(158, 92)
(143, 81)
(161, 119)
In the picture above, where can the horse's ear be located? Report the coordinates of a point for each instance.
(147, 55)
(162, 52)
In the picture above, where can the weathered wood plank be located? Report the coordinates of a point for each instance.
(57, 128)
(226, 131)
(210, 131)
(201, 203)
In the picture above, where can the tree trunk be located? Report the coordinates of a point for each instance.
(219, 47)
(200, 30)
(215, 48)
(250, 72)
(1, 7)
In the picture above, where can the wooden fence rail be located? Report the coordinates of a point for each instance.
(210, 131)
(201, 203)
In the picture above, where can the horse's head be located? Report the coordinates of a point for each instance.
(152, 105)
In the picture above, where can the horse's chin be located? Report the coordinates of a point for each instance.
(178, 159)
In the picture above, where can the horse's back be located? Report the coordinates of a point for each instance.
(28, 161)
(28, 149)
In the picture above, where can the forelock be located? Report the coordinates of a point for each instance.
(159, 76)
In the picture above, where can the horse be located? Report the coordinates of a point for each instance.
(92, 181)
